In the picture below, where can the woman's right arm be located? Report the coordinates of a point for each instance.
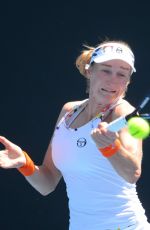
(46, 176)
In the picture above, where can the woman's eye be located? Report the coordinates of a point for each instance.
(106, 71)
(121, 75)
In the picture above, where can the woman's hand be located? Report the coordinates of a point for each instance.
(12, 156)
(127, 161)
(102, 137)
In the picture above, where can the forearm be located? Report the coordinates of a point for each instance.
(42, 180)
(126, 164)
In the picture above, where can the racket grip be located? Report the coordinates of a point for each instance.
(117, 124)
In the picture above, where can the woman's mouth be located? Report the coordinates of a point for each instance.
(108, 91)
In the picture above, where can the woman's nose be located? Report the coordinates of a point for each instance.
(112, 79)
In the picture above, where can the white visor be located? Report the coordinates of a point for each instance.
(111, 51)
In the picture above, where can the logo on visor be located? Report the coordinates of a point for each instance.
(111, 49)
(81, 142)
(119, 50)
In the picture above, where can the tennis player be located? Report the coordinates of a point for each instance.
(100, 167)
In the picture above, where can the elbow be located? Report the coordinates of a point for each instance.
(50, 188)
(47, 192)
(135, 176)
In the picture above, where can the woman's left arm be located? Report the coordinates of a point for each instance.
(127, 161)
(128, 158)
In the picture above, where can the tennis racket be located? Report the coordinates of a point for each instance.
(121, 122)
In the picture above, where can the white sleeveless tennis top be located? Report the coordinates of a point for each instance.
(99, 199)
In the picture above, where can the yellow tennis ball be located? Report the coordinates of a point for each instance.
(138, 127)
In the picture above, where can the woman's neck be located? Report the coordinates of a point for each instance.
(93, 109)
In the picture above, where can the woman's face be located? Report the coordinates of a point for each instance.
(108, 81)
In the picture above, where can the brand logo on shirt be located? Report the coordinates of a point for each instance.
(81, 142)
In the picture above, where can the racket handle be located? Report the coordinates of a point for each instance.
(117, 124)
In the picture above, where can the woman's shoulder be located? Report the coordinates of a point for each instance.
(123, 108)
(68, 106)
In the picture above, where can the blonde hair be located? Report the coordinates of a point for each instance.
(85, 56)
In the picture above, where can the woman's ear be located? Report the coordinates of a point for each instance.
(127, 84)
(88, 73)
